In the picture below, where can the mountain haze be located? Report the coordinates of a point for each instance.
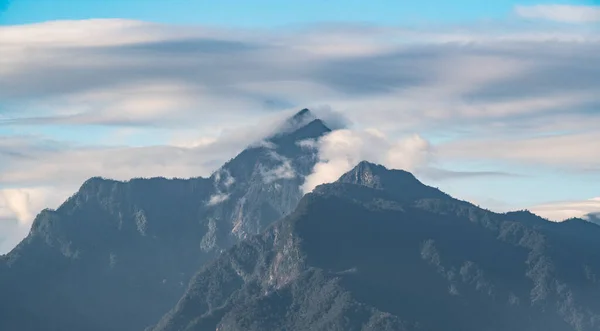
(117, 255)
(378, 250)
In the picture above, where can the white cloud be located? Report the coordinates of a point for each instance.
(229, 180)
(341, 150)
(222, 181)
(561, 13)
(18, 208)
(284, 170)
(575, 151)
(308, 143)
(217, 199)
(93, 32)
(23, 204)
(222, 177)
(560, 211)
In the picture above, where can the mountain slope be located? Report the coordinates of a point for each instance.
(378, 250)
(117, 255)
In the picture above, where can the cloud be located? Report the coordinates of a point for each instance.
(593, 217)
(308, 143)
(442, 174)
(73, 164)
(560, 211)
(284, 170)
(341, 150)
(571, 151)
(210, 92)
(18, 202)
(147, 74)
(561, 13)
(223, 179)
(18, 208)
(217, 199)
(23, 204)
(222, 182)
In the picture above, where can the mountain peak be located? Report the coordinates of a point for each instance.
(366, 174)
(300, 119)
(303, 125)
(303, 113)
(375, 175)
(398, 182)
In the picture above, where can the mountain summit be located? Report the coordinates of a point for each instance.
(117, 255)
(397, 183)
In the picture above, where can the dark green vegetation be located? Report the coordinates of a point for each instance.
(378, 250)
(118, 255)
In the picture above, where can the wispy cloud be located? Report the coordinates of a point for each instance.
(560, 211)
(283, 170)
(561, 13)
(115, 72)
(217, 199)
(441, 174)
(569, 151)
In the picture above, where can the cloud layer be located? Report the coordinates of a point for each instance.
(178, 101)
(116, 72)
(561, 13)
(560, 211)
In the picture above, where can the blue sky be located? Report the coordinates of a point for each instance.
(494, 102)
(265, 12)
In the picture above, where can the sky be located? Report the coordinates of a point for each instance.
(493, 102)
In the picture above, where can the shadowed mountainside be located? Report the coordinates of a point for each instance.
(117, 255)
(378, 250)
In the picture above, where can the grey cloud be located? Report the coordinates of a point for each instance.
(37, 165)
(551, 68)
(14, 154)
(593, 217)
(559, 211)
(239, 71)
(573, 151)
(445, 174)
(376, 74)
(196, 46)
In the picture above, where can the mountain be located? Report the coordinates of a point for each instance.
(117, 255)
(379, 250)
